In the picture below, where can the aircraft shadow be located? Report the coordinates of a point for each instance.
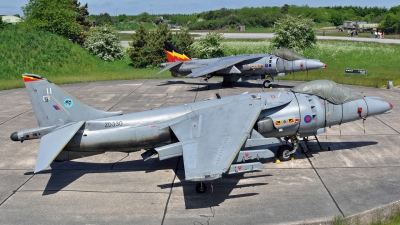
(64, 173)
(217, 86)
(329, 146)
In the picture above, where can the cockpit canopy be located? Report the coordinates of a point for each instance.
(328, 90)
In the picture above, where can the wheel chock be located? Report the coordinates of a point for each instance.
(292, 158)
(277, 160)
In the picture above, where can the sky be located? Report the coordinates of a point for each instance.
(134, 7)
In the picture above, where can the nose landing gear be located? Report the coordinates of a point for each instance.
(201, 188)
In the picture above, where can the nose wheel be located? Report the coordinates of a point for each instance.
(201, 188)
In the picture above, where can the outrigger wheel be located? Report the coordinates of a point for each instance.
(201, 188)
(267, 83)
(284, 152)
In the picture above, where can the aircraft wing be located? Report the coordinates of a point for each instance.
(170, 66)
(212, 138)
(222, 64)
(49, 148)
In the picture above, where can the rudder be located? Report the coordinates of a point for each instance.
(174, 54)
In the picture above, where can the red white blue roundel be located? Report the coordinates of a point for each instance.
(307, 119)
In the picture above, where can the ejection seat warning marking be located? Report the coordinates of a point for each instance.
(56, 107)
(307, 119)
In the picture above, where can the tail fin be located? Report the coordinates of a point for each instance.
(174, 54)
(53, 106)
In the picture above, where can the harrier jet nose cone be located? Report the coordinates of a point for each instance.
(315, 64)
(377, 106)
(14, 136)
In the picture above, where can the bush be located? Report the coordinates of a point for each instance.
(104, 43)
(209, 46)
(294, 33)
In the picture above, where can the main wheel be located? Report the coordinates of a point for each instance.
(267, 83)
(201, 188)
(284, 152)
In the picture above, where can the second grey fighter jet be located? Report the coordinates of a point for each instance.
(219, 136)
(239, 67)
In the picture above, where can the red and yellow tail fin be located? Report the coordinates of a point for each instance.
(174, 54)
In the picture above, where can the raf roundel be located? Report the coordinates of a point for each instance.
(307, 119)
(68, 103)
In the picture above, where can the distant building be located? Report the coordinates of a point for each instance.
(11, 19)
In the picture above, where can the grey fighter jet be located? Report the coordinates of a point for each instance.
(219, 136)
(239, 67)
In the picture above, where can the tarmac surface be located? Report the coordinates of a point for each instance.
(358, 178)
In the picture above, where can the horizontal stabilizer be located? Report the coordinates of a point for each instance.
(170, 66)
(53, 143)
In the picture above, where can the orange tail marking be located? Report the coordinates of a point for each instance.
(173, 57)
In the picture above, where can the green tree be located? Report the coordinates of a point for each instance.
(336, 19)
(122, 18)
(157, 46)
(59, 17)
(103, 42)
(183, 41)
(391, 21)
(209, 46)
(3, 24)
(139, 47)
(82, 19)
(294, 33)
(103, 19)
(144, 17)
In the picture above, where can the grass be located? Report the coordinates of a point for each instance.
(62, 61)
(375, 219)
(59, 60)
(380, 61)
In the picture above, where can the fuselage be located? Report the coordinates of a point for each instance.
(296, 114)
(266, 64)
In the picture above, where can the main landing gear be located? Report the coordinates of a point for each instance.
(206, 80)
(201, 188)
(267, 84)
(285, 153)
